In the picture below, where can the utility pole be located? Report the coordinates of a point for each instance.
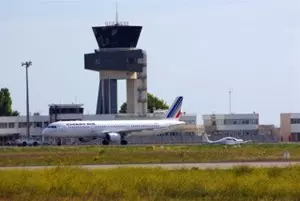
(27, 64)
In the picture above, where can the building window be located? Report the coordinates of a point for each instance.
(3, 125)
(24, 124)
(295, 121)
(11, 125)
(246, 122)
(295, 136)
(240, 121)
(37, 124)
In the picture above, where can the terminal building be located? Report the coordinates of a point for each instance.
(244, 126)
(231, 124)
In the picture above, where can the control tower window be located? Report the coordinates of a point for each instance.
(131, 60)
(66, 110)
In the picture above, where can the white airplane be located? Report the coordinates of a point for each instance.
(115, 130)
(225, 140)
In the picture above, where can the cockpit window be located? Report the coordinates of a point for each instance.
(231, 139)
(51, 126)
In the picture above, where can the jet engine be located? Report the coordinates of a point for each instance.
(115, 137)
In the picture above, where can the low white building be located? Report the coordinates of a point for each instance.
(290, 126)
(231, 124)
(10, 126)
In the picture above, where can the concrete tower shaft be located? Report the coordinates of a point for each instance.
(118, 58)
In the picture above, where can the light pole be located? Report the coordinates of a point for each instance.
(27, 64)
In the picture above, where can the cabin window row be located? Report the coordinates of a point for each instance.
(135, 126)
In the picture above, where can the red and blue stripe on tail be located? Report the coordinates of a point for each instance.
(175, 110)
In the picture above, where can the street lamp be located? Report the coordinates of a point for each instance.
(27, 64)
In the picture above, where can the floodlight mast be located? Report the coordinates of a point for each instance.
(27, 64)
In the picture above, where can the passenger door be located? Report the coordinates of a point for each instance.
(92, 129)
(61, 128)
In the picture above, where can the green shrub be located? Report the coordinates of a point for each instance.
(240, 183)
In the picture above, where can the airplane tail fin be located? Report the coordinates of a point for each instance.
(205, 138)
(175, 110)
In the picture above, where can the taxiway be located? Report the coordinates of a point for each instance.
(220, 165)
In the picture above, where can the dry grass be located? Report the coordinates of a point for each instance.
(242, 183)
(143, 154)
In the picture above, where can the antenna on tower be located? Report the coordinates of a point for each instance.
(117, 20)
(116, 23)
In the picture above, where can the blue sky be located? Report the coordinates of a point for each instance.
(196, 48)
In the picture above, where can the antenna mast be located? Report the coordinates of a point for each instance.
(117, 20)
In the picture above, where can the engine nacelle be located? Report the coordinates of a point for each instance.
(115, 137)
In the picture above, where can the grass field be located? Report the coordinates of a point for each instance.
(241, 183)
(76, 155)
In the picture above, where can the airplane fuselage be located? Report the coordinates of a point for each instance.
(99, 128)
(228, 142)
(116, 130)
(225, 140)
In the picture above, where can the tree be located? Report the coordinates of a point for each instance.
(123, 108)
(15, 113)
(6, 103)
(153, 103)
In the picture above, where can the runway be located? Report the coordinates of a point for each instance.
(221, 165)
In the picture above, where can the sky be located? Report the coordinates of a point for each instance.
(199, 49)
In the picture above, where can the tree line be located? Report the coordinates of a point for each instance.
(6, 104)
(153, 103)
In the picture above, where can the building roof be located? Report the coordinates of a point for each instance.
(66, 105)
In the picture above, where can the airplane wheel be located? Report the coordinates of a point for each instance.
(105, 142)
(24, 144)
(124, 142)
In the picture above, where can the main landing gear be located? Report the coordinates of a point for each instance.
(123, 141)
(107, 140)
(59, 142)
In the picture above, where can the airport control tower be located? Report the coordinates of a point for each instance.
(118, 58)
